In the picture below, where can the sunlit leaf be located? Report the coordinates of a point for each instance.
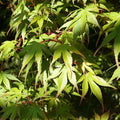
(73, 80)
(92, 19)
(61, 82)
(95, 90)
(6, 82)
(101, 81)
(115, 74)
(56, 55)
(67, 60)
(38, 58)
(84, 88)
(117, 47)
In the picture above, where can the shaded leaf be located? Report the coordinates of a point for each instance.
(79, 28)
(97, 117)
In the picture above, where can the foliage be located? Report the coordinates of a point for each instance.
(52, 52)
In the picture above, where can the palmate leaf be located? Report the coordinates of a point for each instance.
(36, 110)
(93, 81)
(67, 58)
(104, 116)
(7, 49)
(14, 95)
(64, 51)
(79, 27)
(115, 34)
(97, 117)
(5, 78)
(81, 18)
(27, 59)
(32, 51)
(10, 112)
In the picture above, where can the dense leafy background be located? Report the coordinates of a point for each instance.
(59, 59)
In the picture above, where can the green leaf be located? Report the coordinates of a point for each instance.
(7, 49)
(26, 60)
(6, 82)
(12, 77)
(117, 47)
(38, 58)
(28, 68)
(115, 74)
(95, 90)
(10, 112)
(100, 81)
(61, 82)
(76, 94)
(84, 1)
(40, 22)
(109, 38)
(92, 19)
(79, 28)
(73, 79)
(56, 55)
(54, 73)
(84, 88)
(81, 79)
(97, 117)
(67, 60)
(105, 116)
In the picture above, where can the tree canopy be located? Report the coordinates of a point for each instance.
(59, 60)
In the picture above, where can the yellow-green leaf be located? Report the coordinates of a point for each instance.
(67, 60)
(56, 55)
(61, 82)
(105, 116)
(95, 90)
(115, 74)
(84, 88)
(38, 58)
(97, 117)
(117, 48)
(26, 60)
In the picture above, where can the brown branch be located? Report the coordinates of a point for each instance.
(52, 40)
